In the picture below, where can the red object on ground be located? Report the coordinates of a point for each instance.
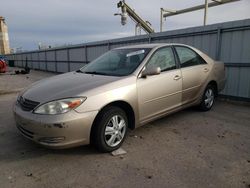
(3, 66)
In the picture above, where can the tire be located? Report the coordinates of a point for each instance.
(110, 129)
(208, 98)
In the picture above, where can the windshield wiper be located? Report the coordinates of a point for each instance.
(94, 72)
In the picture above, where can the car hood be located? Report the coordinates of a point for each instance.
(66, 85)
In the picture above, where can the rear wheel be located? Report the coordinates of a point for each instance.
(208, 98)
(110, 129)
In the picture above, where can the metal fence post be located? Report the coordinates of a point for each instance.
(26, 61)
(218, 44)
(149, 38)
(86, 54)
(68, 60)
(22, 60)
(38, 60)
(55, 62)
(31, 61)
(108, 45)
(46, 66)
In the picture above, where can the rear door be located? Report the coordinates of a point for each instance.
(194, 72)
(160, 93)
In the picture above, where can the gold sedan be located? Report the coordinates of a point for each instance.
(124, 88)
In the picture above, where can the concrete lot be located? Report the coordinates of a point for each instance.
(187, 149)
(11, 83)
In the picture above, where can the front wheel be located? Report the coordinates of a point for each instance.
(110, 129)
(207, 98)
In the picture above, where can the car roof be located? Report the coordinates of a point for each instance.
(151, 45)
(157, 45)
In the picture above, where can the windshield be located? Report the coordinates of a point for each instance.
(118, 62)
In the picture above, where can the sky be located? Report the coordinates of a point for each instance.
(65, 22)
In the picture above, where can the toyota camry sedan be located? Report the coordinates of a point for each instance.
(123, 89)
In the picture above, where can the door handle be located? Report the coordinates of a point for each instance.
(177, 77)
(205, 69)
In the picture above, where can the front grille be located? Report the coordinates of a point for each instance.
(25, 132)
(27, 105)
(52, 140)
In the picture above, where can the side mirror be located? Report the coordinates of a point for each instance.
(149, 71)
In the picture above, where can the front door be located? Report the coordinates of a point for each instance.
(159, 93)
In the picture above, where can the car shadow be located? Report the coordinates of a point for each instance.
(20, 148)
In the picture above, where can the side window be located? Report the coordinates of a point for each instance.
(163, 58)
(188, 57)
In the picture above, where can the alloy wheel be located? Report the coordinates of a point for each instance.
(115, 130)
(209, 98)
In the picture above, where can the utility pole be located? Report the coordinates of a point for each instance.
(4, 38)
(205, 13)
(161, 21)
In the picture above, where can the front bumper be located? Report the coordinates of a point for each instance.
(55, 131)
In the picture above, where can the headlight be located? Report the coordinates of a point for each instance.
(59, 106)
(18, 98)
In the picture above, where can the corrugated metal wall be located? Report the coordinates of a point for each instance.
(228, 42)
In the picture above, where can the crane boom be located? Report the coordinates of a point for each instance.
(126, 9)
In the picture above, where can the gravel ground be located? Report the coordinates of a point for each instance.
(186, 149)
